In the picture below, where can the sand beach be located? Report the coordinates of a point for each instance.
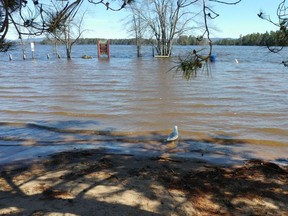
(94, 182)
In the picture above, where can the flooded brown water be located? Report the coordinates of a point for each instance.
(129, 105)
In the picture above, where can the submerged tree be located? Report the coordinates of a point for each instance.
(69, 31)
(165, 20)
(136, 27)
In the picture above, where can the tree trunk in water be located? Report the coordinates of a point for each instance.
(139, 48)
(68, 52)
(139, 51)
(163, 48)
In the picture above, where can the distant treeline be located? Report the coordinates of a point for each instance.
(256, 39)
(130, 41)
(271, 38)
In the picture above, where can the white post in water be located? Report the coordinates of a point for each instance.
(32, 49)
(10, 57)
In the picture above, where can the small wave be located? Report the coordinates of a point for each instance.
(18, 112)
(271, 143)
(74, 114)
(55, 129)
(272, 131)
(281, 161)
(112, 134)
(59, 113)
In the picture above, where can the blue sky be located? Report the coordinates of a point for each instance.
(243, 19)
(233, 20)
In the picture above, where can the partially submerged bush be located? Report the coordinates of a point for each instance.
(193, 64)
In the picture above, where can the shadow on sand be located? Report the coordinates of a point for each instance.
(98, 182)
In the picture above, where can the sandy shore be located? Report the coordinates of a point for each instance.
(92, 182)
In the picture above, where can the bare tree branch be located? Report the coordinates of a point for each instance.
(225, 2)
(33, 17)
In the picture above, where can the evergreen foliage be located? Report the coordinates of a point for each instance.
(256, 39)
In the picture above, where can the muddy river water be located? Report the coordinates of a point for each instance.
(129, 105)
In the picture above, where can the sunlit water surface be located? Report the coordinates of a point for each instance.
(129, 105)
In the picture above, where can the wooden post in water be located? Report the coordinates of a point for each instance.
(32, 49)
(103, 47)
